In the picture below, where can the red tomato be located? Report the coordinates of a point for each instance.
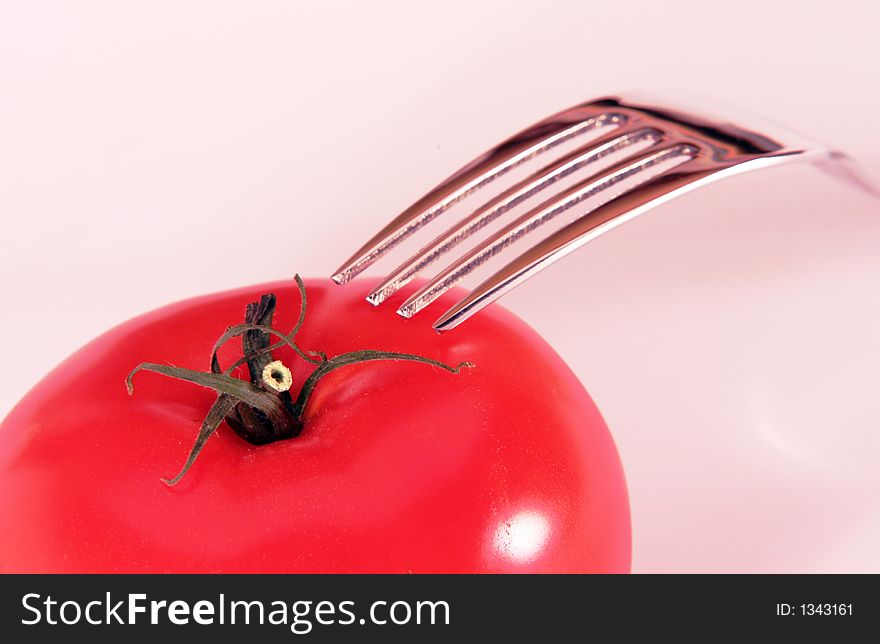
(505, 467)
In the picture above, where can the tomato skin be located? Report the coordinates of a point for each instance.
(402, 467)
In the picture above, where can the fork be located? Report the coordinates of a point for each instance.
(633, 154)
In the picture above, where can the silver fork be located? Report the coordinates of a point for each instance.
(635, 154)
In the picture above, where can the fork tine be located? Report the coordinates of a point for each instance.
(519, 148)
(606, 217)
(632, 135)
(539, 215)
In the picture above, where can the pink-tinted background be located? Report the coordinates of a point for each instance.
(730, 338)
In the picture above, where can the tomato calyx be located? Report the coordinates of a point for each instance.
(262, 410)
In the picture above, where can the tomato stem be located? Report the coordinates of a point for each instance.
(355, 357)
(263, 411)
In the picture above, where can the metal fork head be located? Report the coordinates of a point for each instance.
(636, 155)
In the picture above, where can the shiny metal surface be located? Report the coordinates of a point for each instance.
(660, 153)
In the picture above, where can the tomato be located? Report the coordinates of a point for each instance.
(400, 467)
